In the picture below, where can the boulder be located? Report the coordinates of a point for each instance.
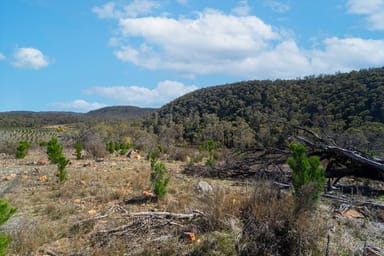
(204, 187)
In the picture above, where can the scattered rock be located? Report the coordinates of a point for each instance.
(77, 201)
(9, 177)
(92, 212)
(147, 193)
(190, 236)
(204, 187)
(133, 154)
(352, 213)
(43, 178)
(42, 162)
(37, 169)
(25, 177)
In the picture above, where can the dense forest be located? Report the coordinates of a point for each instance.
(346, 106)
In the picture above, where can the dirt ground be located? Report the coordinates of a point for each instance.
(90, 213)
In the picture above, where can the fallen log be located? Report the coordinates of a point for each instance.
(165, 215)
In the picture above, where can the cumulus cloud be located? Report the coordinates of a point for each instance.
(348, 53)
(2, 56)
(133, 9)
(372, 9)
(237, 44)
(29, 58)
(77, 105)
(164, 92)
(202, 45)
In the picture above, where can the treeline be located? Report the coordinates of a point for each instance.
(348, 106)
(38, 119)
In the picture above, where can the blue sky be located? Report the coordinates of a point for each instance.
(76, 55)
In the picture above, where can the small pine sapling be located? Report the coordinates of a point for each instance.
(61, 164)
(22, 149)
(54, 150)
(159, 177)
(79, 149)
(306, 171)
(6, 211)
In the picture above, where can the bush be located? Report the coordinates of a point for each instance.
(78, 148)
(273, 226)
(22, 149)
(54, 150)
(6, 211)
(61, 164)
(110, 147)
(308, 177)
(159, 178)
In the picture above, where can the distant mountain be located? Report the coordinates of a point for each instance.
(36, 119)
(120, 112)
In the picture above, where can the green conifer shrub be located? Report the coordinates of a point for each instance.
(308, 177)
(78, 148)
(6, 211)
(54, 150)
(22, 149)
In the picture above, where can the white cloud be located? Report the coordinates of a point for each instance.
(277, 6)
(202, 45)
(243, 8)
(134, 9)
(349, 53)
(106, 12)
(372, 9)
(2, 56)
(213, 42)
(164, 92)
(77, 105)
(30, 58)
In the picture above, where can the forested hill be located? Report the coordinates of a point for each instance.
(37, 119)
(120, 112)
(338, 103)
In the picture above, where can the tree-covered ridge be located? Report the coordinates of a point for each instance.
(335, 103)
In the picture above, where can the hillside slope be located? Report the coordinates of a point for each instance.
(245, 113)
(120, 112)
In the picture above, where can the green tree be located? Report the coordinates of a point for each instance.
(123, 149)
(306, 172)
(61, 164)
(54, 150)
(159, 177)
(6, 211)
(111, 147)
(22, 149)
(78, 148)
(210, 146)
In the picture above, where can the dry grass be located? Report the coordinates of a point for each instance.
(238, 219)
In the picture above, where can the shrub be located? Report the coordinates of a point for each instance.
(61, 164)
(54, 150)
(6, 211)
(273, 226)
(111, 147)
(210, 146)
(159, 178)
(308, 177)
(22, 149)
(78, 148)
